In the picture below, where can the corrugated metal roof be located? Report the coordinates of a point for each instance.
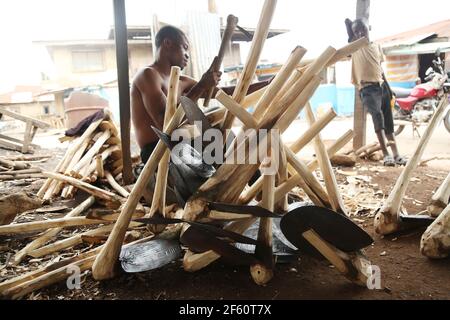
(419, 48)
(440, 29)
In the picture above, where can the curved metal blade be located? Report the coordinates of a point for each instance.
(150, 255)
(194, 114)
(199, 240)
(416, 221)
(257, 211)
(333, 227)
(164, 138)
(282, 248)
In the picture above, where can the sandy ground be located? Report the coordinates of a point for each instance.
(405, 273)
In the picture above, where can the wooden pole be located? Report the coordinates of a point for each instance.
(159, 196)
(259, 38)
(232, 22)
(262, 272)
(121, 38)
(435, 242)
(104, 265)
(326, 168)
(388, 219)
(50, 234)
(360, 113)
(440, 199)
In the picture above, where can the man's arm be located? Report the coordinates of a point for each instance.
(154, 99)
(348, 25)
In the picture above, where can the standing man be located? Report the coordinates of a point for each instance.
(369, 78)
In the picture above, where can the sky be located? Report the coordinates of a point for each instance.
(314, 24)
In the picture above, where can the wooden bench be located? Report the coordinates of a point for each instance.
(30, 130)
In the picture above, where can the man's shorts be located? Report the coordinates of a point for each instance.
(147, 151)
(376, 99)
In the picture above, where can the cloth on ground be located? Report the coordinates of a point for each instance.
(81, 127)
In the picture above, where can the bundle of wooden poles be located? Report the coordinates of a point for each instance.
(96, 154)
(21, 167)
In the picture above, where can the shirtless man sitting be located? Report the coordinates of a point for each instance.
(150, 86)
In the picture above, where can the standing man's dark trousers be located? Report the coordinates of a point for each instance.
(377, 100)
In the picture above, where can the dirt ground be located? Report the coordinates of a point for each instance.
(405, 273)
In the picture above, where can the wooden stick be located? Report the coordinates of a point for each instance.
(351, 268)
(313, 131)
(326, 168)
(50, 234)
(237, 176)
(387, 220)
(435, 242)
(69, 242)
(21, 176)
(238, 111)
(97, 192)
(56, 188)
(159, 195)
(124, 193)
(335, 148)
(103, 267)
(248, 73)
(298, 87)
(294, 180)
(232, 22)
(252, 99)
(440, 199)
(299, 103)
(218, 215)
(341, 54)
(282, 176)
(86, 160)
(363, 149)
(58, 272)
(71, 152)
(34, 226)
(111, 126)
(278, 82)
(114, 141)
(117, 164)
(16, 281)
(104, 155)
(99, 166)
(348, 50)
(49, 181)
(14, 164)
(262, 272)
(302, 170)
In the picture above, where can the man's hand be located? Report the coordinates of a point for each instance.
(211, 78)
(348, 25)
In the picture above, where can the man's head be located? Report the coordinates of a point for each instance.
(360, 29)
(172, 44)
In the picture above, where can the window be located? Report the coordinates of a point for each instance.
(87, 61)
(46, 109)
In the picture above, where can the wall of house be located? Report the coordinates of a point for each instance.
(402, 71)
(66, 75)
(139, 56)
(34, 110)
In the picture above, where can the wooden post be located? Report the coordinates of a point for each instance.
(360, 114)
(120, 30)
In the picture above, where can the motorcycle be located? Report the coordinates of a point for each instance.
(420, 104)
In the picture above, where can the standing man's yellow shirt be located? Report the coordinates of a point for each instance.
(366, 65)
